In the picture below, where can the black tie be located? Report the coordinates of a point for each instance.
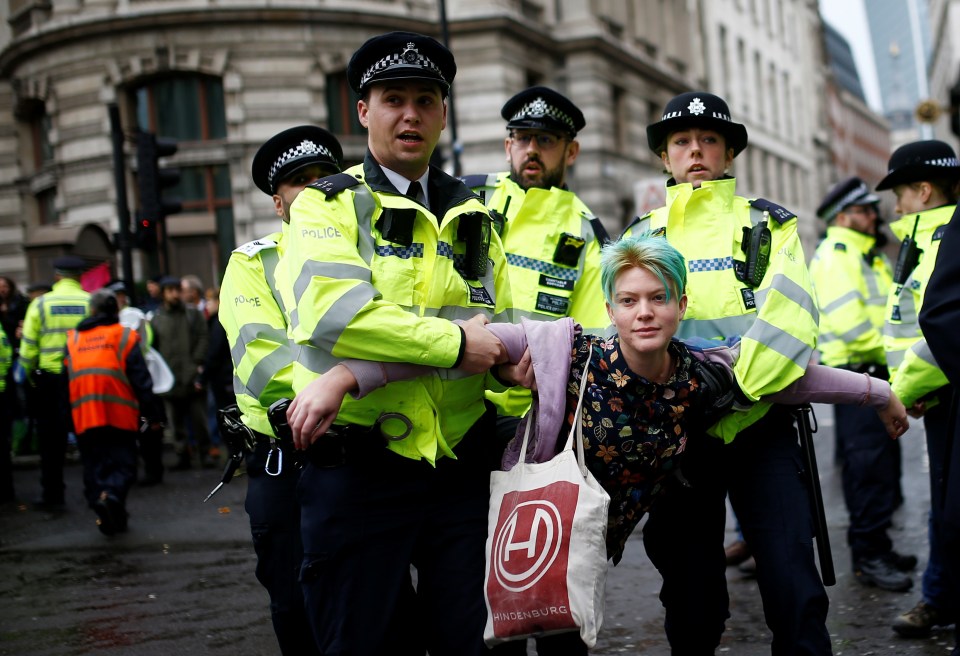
(414, 191)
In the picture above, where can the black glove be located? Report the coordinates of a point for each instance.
(718, 391)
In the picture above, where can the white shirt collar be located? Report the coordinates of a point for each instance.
(402, 183)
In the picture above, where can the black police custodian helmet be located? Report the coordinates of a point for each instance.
(844, 194)
(401, 56)
(918, 161)
(697, 109)
(291, 150)
(542, 108)
(69, 265)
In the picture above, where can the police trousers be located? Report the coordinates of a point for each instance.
(936, 587)
(274, 513)
(871, 478)
(367, 519)
(763, 472)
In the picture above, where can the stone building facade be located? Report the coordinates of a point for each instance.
(221, 76)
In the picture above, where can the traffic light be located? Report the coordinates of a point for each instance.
(151, 181)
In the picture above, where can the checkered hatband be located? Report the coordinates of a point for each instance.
(540, 108)
(409, 56)
(304, 148)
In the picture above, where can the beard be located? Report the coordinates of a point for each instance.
(543, 179)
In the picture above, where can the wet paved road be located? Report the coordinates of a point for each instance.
(181, 581)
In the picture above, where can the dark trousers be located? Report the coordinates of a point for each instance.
(52, 406)
(191, 408)
(871, 478)
(8, 402)
(367, 520)
(109, 457)
(936, 587)
(763, 472)
(150, 444)
(275, 526)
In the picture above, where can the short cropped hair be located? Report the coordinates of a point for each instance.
(648, 250)
(104, 301)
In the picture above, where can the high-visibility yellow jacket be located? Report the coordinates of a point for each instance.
(49, 317)
(100, 393)
(539, 223)
(852, 282)
(914, 373)
(256, 327)
(542, 228)
(352, 292)
(6, 358)
(777, 320)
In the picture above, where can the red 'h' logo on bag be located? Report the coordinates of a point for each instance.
(527, 582)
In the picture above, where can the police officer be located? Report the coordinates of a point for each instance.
(6, 422)
(253, 318)
(747, 276)
(551, 238)
(852, 279)
(382, 257)
(45, 327)
(923, 176)
(938, 320)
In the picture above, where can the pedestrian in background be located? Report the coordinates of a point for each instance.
(256, 329)
(747, 276)
(852, 279)
(181, 338)
(923, 176)
(45, 327)
(7, 493)
(192, 293)
(217, 376)
(109, 390)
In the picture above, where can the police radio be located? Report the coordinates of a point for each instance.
(756, 245)
(908, 257)
(474, 231)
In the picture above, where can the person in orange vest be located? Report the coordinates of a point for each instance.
(110, 390)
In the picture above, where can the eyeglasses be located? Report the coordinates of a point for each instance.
(544, 141)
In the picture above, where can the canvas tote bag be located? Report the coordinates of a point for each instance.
(546, 545)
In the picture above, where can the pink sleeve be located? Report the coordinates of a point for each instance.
(821, 384)
(374, 375)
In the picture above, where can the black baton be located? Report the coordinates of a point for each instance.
(827, 573)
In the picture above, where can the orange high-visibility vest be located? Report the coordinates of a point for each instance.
(100, 394)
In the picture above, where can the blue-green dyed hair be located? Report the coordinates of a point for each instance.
(648, 250)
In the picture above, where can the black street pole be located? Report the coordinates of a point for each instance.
(123, 212)
(451, 106)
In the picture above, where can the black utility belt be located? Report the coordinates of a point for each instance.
(346, 443)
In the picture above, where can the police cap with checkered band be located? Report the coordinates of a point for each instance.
(696, 109)
(844, 194)
(291, 150)
(401, 56)
(919, 161)
(542, 108)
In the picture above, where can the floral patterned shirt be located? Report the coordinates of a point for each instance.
(634, 430)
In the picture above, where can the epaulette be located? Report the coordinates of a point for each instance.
(780, 214)
(840, 247)
(475, 180)
(251, 248)
(334, 184)
(637, 220)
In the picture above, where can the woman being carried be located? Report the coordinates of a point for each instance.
(644, 388)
